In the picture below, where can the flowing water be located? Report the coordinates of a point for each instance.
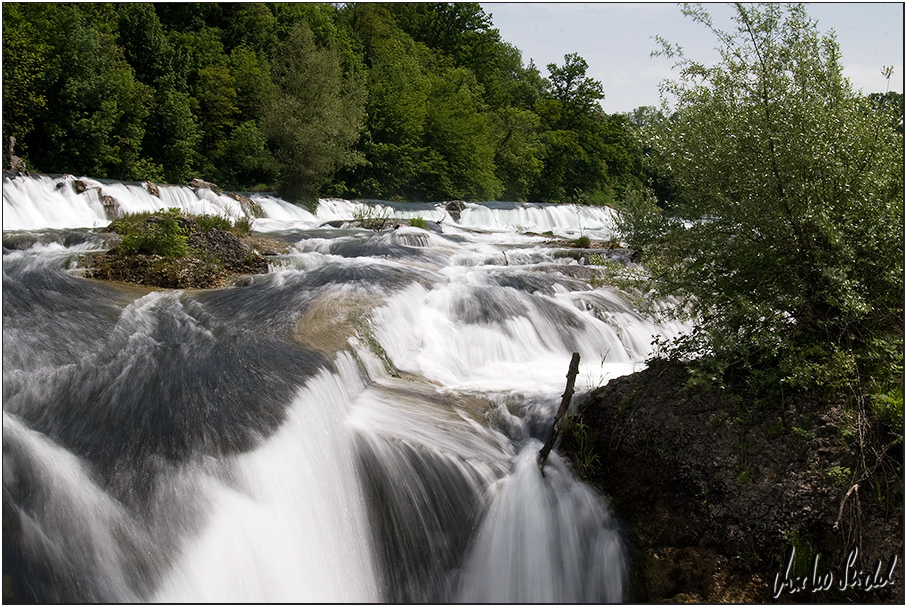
(360, 424)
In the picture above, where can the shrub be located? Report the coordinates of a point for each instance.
(208, 222)
(785, 240)
(582, 242)
(165, 233)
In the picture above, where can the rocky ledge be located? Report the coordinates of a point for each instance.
(715, 491)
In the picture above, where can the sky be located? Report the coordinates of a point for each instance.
(616, 40)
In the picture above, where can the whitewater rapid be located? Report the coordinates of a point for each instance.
(360, 424)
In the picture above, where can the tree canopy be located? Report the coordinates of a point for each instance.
(414, 102)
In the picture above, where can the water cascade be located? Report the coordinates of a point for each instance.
(361, 424)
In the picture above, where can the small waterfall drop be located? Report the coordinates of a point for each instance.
(291, 521)
(544, 539)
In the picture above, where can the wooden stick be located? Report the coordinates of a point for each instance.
(562, 410)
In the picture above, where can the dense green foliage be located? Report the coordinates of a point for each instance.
(164, 233)
(394, 101)
(784, 230)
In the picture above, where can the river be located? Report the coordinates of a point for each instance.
(360, 424)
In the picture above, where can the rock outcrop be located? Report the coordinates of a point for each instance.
(111, 206)
(215, 256)
(454, 208)
(16, 164)
(248, 206)
(199, 184)
(715, 490)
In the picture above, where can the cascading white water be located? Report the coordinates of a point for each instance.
(544, 539)
(291, 521)
(358, 425)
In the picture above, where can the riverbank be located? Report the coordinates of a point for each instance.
(715, 491)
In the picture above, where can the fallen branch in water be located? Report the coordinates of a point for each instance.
(562, 410)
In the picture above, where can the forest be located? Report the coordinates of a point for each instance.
(398, 101)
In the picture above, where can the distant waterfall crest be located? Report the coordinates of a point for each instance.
(45, 202)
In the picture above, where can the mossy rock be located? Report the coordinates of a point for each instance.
(167, 249)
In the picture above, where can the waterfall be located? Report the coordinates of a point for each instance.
(360, 424)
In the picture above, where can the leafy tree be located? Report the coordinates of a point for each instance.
(786, 239)
(574, 137)
(576, 95)
(24, 56)
(396, 107)
(315, 117)
(145, 44)
(453, 28)
(517, 149)
(94, 122)
(249, 24)
(252, 81)
(215, 92)
(891, 103)
(457, 132)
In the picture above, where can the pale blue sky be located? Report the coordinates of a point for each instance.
(616, 40)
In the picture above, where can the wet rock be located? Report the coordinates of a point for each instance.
(248, 206)
(152, 189)
(454, 208)
(111, 206)
(233, 254)
(199, 184)
(16, 164)
(215, 256)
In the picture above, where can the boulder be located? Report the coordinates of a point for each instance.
(111, 206)
(152, 189)
(16, 164)
(213, 257)
(249, 206)
(700, 477)
(454, 208)
(233, 254)
(199, 184)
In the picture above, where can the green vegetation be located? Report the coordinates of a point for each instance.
(165, 233)
(370, 218)
(362, 100)
(582, 242)
(583, 441)
(781, 227)
(418, 222)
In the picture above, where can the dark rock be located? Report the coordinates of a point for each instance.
(229, 251)
(214, 256)
(111, 206)
(198, 184)
(698, 475)
(152, 189)
(80, 186)
(454, 208)
(156, 271)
